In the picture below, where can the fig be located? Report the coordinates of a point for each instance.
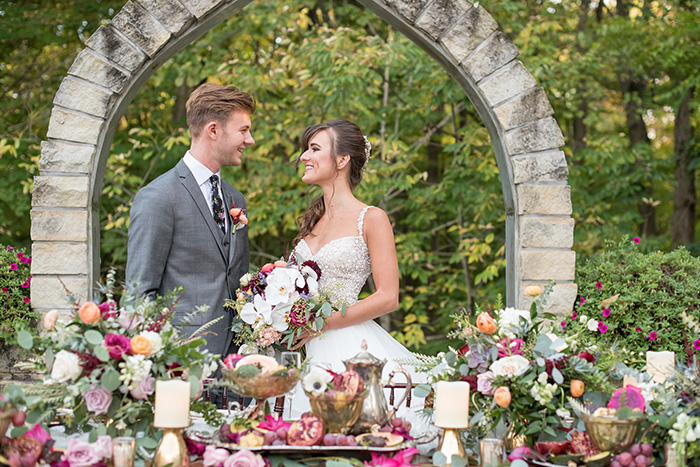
(390, 439)
(307, 431)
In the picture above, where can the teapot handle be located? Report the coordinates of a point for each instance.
(409, 387)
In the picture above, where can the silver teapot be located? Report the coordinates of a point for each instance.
(375, 410)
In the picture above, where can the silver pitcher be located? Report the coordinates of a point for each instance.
(375, 410)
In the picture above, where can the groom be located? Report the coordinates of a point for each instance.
(181, 231)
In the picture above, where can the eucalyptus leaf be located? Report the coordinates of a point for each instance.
(464, 369)
(338, 463)
(519, 463)
(102, 354)
(94, 337)
(458, 461)
(146, 442)
(556, 374)
(25, 339)
(49, 357)
(110, 379)
(439, 458)
(476, 418)
(326, 309)
(422, 390)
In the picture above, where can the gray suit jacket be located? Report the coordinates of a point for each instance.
(174, 240)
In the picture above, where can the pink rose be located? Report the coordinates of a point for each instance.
(117, 345)
(483, 383)
(97, 400)
(244, 458)
(80, 454)
(144, 388)
(107, 309)
(518, 453)
(129, 322)
(214, 456)
(103, 447)
(50, 319)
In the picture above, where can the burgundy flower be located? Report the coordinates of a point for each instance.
(587, 357)
(194, 448)
(314, 266)
(297, 315)
(464, 349)
(174, 373)
(472, 380)
(88, 362)
(108, 310)
(118, 345)
(549, 365)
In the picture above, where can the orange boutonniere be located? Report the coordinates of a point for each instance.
(238, 216)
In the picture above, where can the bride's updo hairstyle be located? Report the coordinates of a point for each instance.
(346, 139)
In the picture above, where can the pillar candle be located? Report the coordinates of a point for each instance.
(661, 365)
(172, 404)
(451, 404)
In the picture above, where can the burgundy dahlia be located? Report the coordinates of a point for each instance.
(118, 345)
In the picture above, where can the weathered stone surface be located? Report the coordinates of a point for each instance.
(48, 292)
(170, 13)
(143, 29)
(560, 302)
(79, 95)
(96, 70)
(536, 136)
(548, 166)
(468, 32)
(546, 265)
(506, 82)
(544, 199)
(432, 21)
(495, 52)
(69, 192)
(61, 156)
(10, 356)
(201, 7)
(525, 108)
(546, 232)
(409, 9)
(58, 258)
(74, 126)
(105, 41)
(63, 225)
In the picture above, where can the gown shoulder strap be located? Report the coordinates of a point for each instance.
(361, 220)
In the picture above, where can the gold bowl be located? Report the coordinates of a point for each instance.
(612, 433)
(262, 385)
(5, 419)
(339, 411)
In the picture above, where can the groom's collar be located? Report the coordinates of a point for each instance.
(200, 171)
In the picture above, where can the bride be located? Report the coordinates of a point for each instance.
(349, 240)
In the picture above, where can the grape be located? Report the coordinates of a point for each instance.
(407, 426)
(625, 459)
(329, 439)
(615, 464)
(341, 440)
(640, 461)
(282, 433)
(647, 449)
(19, 417)
(386, 429)
(351, 440)
(278, 442)
(396, 422)
(635, 450)
(270, 437)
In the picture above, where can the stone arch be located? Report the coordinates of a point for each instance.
(464, 39)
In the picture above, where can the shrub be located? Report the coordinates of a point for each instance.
(15, 310)
(637, 300)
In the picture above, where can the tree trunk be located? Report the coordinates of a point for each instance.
(579, 124)
(684, 196)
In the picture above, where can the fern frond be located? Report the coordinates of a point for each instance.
(200, 330)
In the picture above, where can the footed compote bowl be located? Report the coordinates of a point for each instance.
(338, 410)
(262, 385)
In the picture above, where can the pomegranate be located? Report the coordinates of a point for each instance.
(349, 381)
(307, 431)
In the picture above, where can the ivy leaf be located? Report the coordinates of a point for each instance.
(146, 442)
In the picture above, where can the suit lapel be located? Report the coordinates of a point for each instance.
(230, 234)
(190, 184)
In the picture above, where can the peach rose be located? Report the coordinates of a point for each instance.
(243, 219)
(280, 263)
(235, 212)
(140, 345)
(89, 313)
(267, 267)
(502, 396)
(532, 290)
(486, 323)
(577, 387)
(50, 319)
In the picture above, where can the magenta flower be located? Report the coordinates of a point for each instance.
(508, 347)
(599, 284)
(653, 335)
(563, 324)
(297, 315)
(602, 327)
(39, 434)
(4, 290)
(25, 285)
(574, 315)
(273, 424)
(696, 344)
(20, 255)
(639, 329)
(117, 345)
(231, 360)
(26, 300)
(25, 260)
(13, 267)
(606, 312)
(518, 453)
(107, 310)
(636, 240)
(9, 248)
(583, 300)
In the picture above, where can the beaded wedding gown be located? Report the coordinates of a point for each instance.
(345, 266)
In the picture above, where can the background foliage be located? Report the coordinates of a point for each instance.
(619, 75)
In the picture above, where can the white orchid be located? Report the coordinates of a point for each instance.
(262, 311)
(281, 286)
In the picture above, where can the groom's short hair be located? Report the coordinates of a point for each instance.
(215, 102)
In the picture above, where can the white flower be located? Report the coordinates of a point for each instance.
(261, 311)
(509, 319)
(582, 319)
(316, 381)
(66, 367)
(542, 378)
(133, 369)
(563, 413)
(592, 325)
(247, 349)
(281, 285)
(691, 437)
(245, 279)
(514, 365)
(155, 340)
(697, 430)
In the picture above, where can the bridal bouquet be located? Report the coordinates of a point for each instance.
(276, 304)
(102, 360)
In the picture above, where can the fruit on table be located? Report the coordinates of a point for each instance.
(582, 444)
(638, 455)
(264, 363)
(369, 439)
(349, 381)
(597, 460)
(307, 431)
(19, 417)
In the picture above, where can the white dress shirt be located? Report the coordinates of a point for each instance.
(202, 175)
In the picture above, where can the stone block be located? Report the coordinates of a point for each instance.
(525, 108)
(59, 258)
(496, 52)
(143, 29)
(62, 156)
(67, 192)
(76, 127)
(432, 21)
(544, 199)
(97, 70)
(48, 292)
(547, 166)
(108, 43)
(63, 225)
(546, 265)
(506, 82)
(468, 32)
(546, 232)
(201, 7)
(560, 302)
(79, 95)
(539, 135)
(409, 9)
(170, 13)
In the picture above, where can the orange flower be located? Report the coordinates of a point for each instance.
(235, 212)
(280, 263)
(577, 388)
(532, 290)
(267, 267)
(502, 396)
(486, 323)
(243, 219)
(140, 345)
(89, 313)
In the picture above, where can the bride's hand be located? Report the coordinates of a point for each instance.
(301, 340)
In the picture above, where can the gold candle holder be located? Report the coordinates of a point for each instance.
(450, 444)
(172, 450)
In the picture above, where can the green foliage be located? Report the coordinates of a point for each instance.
(15, 276)
(641, 298)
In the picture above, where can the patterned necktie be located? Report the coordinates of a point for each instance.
(217, 204)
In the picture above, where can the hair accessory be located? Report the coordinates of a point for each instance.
(368, 148)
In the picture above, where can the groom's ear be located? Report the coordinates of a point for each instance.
(212, 129)
(342, 161)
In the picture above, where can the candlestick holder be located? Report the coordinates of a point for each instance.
(172, 450)
(450, 444)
